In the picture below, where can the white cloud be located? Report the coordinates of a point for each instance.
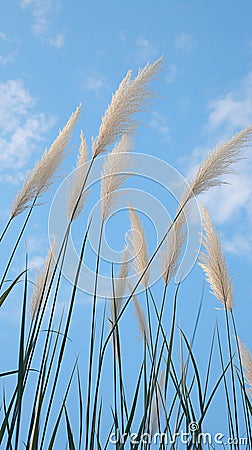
(231, 205)
(95, 81)
(42, 13)
(233, 110)
(8, 54)
(227, 203)
(144, 49)
(36, 262)
(9, 58)
(57, 41)
(185, 43)
(160, 124)
(21, 129)
(238, 245)
(228, 114)
(172, 74)
(12, 179)
(4, 37)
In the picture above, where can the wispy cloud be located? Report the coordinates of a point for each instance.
(8, 54)
(229, 202)
(232, 110)
(231, 205)
(172, 73)
(185, 42)
(95, 82)
(142, 51)
(239, 244)
(9, 58)
(57, 41)
(159, 123)
(21, 128)
(43, 12)
(4, 37)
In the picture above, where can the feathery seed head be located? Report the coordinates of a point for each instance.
(116, 304)
(42, 280)
(141, 320)
(121, 282)
(247, 364)
(127, 100)
(113, 175)
(42, 176)
(214, 264)
(76, 197)
(173, 247)
(138, 248)
(219, 162)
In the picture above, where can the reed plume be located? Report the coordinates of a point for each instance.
(214, 264)
(173, 247)
(42, 280)
(138, 248)
(120, 287)
(127, 100)
(141, 320)
(76, 198)
(112, 176)
(218, 162)
(116, 303)
(42, 176)
(246, 359)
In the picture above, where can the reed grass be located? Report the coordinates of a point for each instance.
(56, 400)
(76, 197)
(138, 248)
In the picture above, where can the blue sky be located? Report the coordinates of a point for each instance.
(55, 54)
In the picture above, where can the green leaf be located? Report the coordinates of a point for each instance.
(9, 289)
(69, 431)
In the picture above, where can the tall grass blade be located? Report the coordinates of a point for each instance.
(196, 371)
(4, 296)
(80, 396)
(71, 445)
(21, 366)
(56, 426)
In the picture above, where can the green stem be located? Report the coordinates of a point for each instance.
(17, 242)
(6, 228)
(92, 342)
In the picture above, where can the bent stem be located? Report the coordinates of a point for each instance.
(6, 228)
(113, 327)
(92, 341)
(17, 242)
(65, 335)
(232, 374)
(246, 409)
